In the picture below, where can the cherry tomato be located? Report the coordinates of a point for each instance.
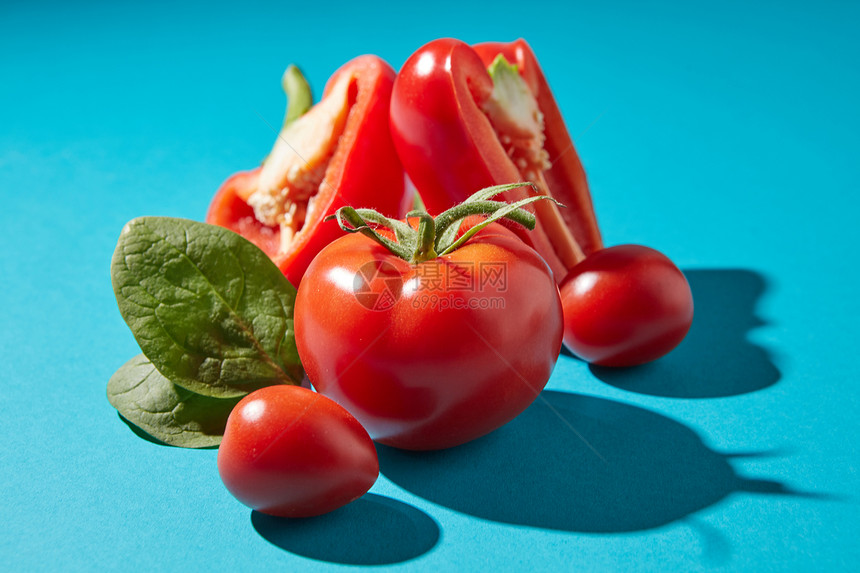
(291, 452)
(434, 354)
(625, 305)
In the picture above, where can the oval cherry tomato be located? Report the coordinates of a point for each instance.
(435, 354)
(291, 452)
(625, 305)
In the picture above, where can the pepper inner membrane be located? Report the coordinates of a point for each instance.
(293, 175)
(516, 118)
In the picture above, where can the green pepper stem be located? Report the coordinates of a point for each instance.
(299, 96)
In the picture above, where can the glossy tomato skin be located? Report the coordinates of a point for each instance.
(290, 452)
(625, 305)
(442, 361)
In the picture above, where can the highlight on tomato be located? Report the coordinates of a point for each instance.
(335, 153)
(290, 452)
(433, 332)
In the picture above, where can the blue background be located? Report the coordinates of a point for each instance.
(724, 135)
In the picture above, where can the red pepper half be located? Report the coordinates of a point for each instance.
(457, 129)
(339, 153)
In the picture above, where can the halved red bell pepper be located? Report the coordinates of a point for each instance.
(458, 129)
(339, 153)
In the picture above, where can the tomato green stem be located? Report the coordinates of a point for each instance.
(352, 222)
(425, 246)
(437, 237)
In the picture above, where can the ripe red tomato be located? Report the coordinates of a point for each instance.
(291, 452)
(625, 305)
(435, 354)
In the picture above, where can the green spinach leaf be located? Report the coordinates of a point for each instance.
(167, 412)
(209, 309)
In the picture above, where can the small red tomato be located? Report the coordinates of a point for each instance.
(625, 305)
(290, 452)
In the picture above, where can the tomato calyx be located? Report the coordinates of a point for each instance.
(438, 236)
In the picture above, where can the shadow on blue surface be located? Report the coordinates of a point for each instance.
(577, 463)
(716, 358)
(373, 530)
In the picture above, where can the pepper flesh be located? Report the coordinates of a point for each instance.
(339, 153)
(441, 123)
(296, 167)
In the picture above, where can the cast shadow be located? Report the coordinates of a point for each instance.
(716, 358)
(576, 463)
(373, 530)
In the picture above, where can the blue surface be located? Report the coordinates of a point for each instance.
(723, 135)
